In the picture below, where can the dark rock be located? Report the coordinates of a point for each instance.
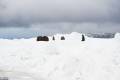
(62, 38)
(42, 38)
(83, 38)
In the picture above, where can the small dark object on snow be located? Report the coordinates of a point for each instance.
(42, 38)
(83, 38)
(62, 38)
(53, 38)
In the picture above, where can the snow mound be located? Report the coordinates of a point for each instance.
(117, 35)
(72, 36)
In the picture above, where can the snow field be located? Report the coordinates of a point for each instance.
(70, 59)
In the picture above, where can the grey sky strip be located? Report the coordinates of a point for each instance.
(61, 15)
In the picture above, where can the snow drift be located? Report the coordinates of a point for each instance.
(71, 59)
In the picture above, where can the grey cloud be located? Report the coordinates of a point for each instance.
(28, 12)
(28, 18)
(52, 28)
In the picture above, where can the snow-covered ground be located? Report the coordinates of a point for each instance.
(70, 59)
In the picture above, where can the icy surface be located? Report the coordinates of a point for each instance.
(70, 59)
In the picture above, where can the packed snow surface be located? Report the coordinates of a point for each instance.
(70, 59)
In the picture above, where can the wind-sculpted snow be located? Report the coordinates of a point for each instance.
(70, 59)
(117, 35)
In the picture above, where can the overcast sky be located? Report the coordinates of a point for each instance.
(23, 18)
